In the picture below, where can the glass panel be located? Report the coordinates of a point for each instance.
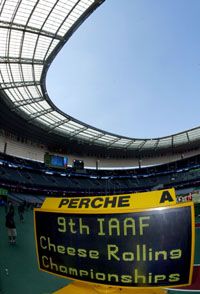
(165, 142)
(58, 115)
(44, 104)
(24, 11)
(53, 45)
(5, 73)
(194, 134)
(15, 43)
(3, 44)
(13, 95)
(38, 72)
(65, 127)
(42, 121)
(74, 124)
(8, 11)
(40, 13)
(42, 46)
(29, 45)
(180, 139)
(27, 70)
(149, 144)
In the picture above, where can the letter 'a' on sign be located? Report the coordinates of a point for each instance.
(166, 196)
(129, 249)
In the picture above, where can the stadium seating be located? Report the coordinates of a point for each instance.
(25, 176)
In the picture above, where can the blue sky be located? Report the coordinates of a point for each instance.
(132, 68)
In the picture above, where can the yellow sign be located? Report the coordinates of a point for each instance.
(130, 249)
(113, 203)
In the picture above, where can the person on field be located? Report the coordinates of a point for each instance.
(11, 228)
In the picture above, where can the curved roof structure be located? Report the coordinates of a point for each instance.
(31, 34)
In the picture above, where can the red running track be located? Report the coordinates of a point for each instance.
(195, 280)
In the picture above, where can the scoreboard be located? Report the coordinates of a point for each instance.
(55, 161)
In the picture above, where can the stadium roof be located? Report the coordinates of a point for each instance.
(31, 34)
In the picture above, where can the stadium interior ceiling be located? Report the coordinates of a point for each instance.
(31, 35)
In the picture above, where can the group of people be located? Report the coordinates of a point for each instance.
(10, 222)
(184, 198)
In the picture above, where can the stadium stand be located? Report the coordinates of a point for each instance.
(26, 175)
